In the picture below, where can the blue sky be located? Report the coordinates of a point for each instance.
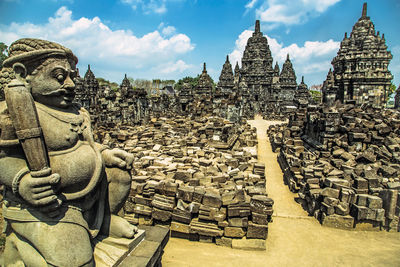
(170, 39)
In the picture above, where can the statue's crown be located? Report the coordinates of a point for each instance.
(28, 49)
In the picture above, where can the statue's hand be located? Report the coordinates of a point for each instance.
(117, 158)
(41, 192)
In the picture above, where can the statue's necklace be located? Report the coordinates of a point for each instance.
(76, 122)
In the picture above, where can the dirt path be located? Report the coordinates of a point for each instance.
(294, 239)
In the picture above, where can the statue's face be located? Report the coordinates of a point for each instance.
(53, 85)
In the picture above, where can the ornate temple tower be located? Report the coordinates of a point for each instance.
(91, 87)
(236, 78)
(185, 98)
(126, 87)
(329, 89)
(80, 92)
(205, 84)
(257, 68)
(302, 96)
(226, 79)
(361, 65)
(275, 78)
(287, 81)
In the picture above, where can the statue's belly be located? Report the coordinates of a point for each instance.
(75, 166)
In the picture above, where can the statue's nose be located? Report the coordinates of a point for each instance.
(69, 84)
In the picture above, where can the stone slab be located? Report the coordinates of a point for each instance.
(337, 221)
(150, 250)
(110, 251)
(249, 244)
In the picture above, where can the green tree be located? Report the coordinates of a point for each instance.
(3, 53)
(103, 82)
(316, 95)
(392, 89)
(190, 80)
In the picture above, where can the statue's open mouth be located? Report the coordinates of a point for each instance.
(67, 95)
(69, 98)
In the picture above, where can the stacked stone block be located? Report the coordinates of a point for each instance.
(199, 177)
(344, 163)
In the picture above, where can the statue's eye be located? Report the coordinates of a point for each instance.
(59, 74)
(60, 77)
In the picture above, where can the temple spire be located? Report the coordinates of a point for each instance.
(227, 58)
(237, 67)
(364, 10)
(204, 67)
(257, 28)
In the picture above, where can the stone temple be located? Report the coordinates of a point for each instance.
(226, 84)
(360, 69)
(265, 89)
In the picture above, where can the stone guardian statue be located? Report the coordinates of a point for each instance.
(62, 189)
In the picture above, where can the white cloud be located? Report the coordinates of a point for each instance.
(168, 30)
(174, 67)
(149, 6)
(69, 1)
(251, 4)
(290, 12)
(313, 58)
(94, 42)
(240, 45)
(310, 50)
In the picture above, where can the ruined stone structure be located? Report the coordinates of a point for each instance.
(226, 99)
(198, 176)
(329, 89)
(110, 108)
(87, 90)
(264, 88)
(226, 79)
(302, 96)
(285, 88)
(343, 161)
(236, 75)
(256, 71)
(205, 85)
(360, 69)
(185, 99)
(203, 95)
(254, 88)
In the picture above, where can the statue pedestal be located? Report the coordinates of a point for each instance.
(150, 250)
(110, 251)
(146, 249)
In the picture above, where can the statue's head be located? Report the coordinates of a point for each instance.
(48, 69)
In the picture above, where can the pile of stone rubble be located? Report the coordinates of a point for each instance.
(200, 177)
(344, 162)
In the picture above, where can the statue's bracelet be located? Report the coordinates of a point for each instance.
(40, 173)
(17, 178)
(103, 147)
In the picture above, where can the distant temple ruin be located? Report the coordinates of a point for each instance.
(109, 107)
(264, 88)
(360, 69)
(360, 74)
